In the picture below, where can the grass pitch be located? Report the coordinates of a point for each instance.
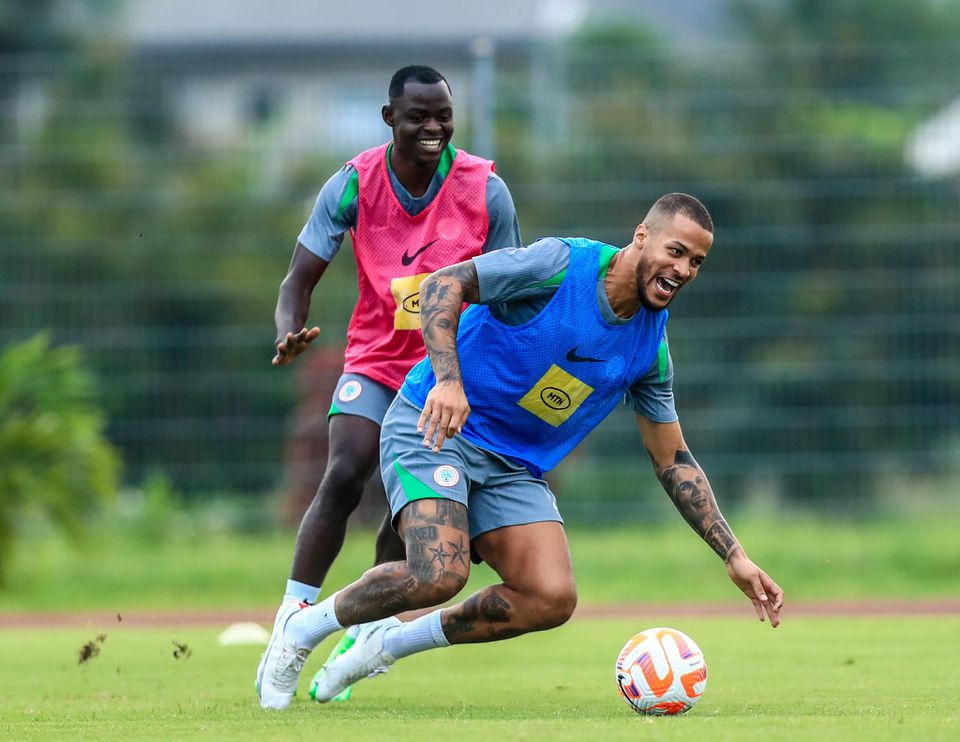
(814, 678)
(197, 568)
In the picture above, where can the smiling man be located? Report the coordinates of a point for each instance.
(557, 333)
(412, 206)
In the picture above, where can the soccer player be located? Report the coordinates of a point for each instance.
(412, 206)
(557, 333)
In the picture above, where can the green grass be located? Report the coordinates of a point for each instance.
(189, 566)
(812, 679)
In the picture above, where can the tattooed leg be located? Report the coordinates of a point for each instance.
(690, 491)
(436, 567)
(486, 616)
(537, 593)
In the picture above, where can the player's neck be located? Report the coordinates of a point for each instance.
(414, 176)
(620, 283)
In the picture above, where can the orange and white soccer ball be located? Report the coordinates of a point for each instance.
(661, 671)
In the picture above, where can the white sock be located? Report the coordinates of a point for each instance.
(415, 636)
(301, 592)
(312, 625)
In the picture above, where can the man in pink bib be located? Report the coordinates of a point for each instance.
(412, 206)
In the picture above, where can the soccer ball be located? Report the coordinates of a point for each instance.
(661, 671)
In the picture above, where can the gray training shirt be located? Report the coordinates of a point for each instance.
(519, 282)
(335, 211)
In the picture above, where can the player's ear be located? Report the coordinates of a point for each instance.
(640, 234)
(387, 114)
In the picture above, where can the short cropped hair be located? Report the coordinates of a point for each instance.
(414, 73)
(666, 206)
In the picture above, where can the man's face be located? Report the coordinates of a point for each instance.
(669, 259)
(422, 121)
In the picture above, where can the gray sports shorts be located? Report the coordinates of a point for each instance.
(497, 492)
(361, 396)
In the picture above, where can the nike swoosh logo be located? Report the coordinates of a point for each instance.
(407, 259)
(572, 356)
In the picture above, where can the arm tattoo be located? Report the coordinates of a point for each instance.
(441, 297)
(690, 491)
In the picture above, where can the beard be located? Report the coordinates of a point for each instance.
(642, 293)
(650, 307)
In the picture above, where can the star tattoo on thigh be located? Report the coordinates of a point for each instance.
(459, 552)
(439, 555)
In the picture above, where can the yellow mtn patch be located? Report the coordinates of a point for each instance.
(556, 396)
(406, 293)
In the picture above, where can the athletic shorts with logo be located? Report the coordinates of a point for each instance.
(497, 492)
(359, 395)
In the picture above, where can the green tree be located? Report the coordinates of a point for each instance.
(53, 455)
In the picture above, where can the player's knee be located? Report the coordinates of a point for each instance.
(349, 472)
(438, 593)
(342, 485)
(435, 584)
(555, 604)
(444, 587)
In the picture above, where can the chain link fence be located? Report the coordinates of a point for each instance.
(150, 205)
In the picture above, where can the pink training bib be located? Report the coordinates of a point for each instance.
(396, 251)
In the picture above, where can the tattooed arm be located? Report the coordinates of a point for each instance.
(442, 295)
(688, 488)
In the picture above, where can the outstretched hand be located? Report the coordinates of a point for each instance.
(764, 593)
(294, 344)
(445, 411)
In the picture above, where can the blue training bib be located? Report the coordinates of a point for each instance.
(537, 389)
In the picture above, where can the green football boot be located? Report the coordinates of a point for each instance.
(344, 644)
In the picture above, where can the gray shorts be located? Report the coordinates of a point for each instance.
(497, 492)
(361, 396)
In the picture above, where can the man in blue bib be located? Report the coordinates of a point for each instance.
(556, 334)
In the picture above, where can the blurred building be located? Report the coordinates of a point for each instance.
(313, 72)
(305, 75)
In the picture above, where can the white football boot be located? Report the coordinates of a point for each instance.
(282, 662)
(364, 659)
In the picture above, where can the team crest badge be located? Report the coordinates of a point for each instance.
(446, 476)
(350, 391)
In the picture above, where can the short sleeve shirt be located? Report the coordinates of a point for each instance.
(335, 210)
(518, 283)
